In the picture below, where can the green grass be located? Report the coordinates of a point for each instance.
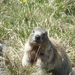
(17, 19)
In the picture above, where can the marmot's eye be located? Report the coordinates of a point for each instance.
(44, 34)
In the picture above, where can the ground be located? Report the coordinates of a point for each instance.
(18, 18)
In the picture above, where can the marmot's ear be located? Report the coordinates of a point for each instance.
(33, 31)
(46, 33)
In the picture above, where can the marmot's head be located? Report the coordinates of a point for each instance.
(38, 36)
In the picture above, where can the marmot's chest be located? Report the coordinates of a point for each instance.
(41, 53)
(39, 50)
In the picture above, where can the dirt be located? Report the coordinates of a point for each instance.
(2, 66)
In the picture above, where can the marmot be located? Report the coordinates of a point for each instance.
(46, 53)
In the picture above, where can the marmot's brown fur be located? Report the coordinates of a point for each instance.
(48, 55)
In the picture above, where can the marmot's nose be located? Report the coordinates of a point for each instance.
(37, 37)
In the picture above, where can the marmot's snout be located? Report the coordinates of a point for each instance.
(37, 39)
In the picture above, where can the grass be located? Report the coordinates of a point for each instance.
(17, 19)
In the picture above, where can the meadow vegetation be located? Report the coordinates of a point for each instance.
(17, 19)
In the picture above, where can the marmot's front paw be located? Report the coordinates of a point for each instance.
(25, 61)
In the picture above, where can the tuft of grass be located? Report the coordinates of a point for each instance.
(18, 19)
